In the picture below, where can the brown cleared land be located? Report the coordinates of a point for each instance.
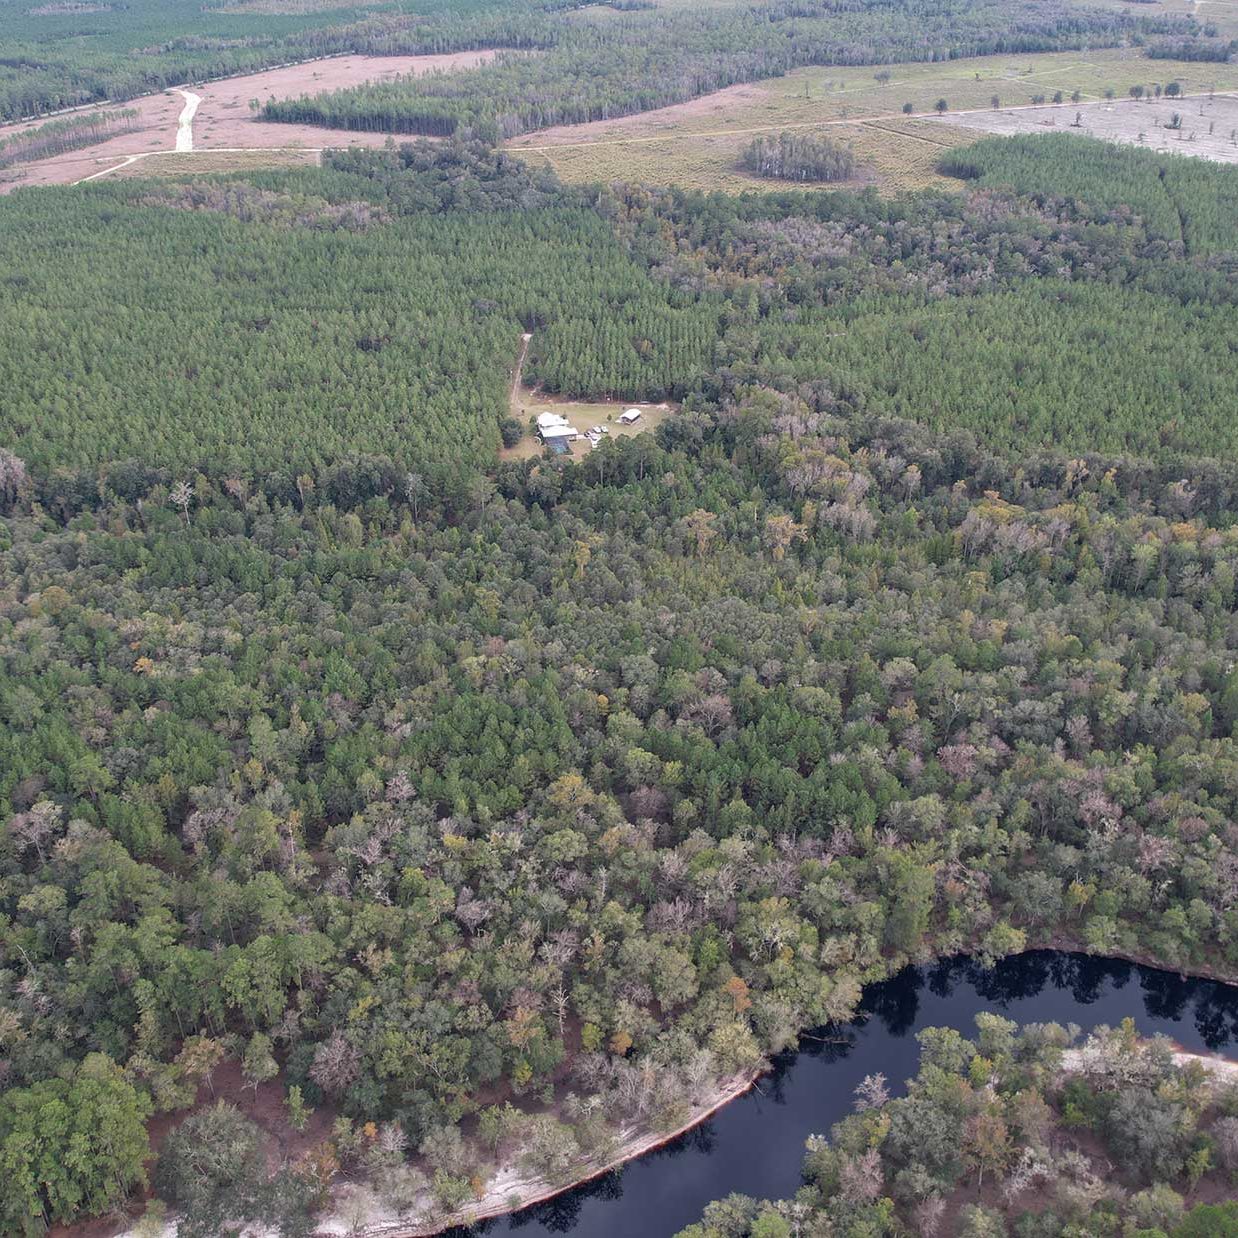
(698, 144)
(1208, 128)
(225, 121)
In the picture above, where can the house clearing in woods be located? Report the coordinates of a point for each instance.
(556, 432)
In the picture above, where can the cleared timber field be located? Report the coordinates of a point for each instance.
(698, 144)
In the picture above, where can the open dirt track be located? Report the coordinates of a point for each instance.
(224, 120)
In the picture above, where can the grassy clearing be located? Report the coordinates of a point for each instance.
(697, 145)
(200, 162)
(807, 94)
(902, 154)
(584, 416)
(293, 8)
(894, 155)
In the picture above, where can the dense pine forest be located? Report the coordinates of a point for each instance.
(64, 53)
(1188, 203)
(71, 133)
(478, 808)
(268, 328)
(264, 331)
(1084, 1138)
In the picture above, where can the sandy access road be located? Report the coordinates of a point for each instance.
(184, 122)
(222, 119)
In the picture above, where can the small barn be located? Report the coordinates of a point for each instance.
(630, 416)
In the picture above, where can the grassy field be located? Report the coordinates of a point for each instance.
(899, 153)
(189, 163)
(698, 144)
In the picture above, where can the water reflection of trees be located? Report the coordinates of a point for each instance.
(1025, 976)
(1214, 1005)
(827, 1044)
(1211, 1007)
(895, 1003)
(561, 1214)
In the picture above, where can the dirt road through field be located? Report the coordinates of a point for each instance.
(184, 124)
(524, 352)
(226, 116)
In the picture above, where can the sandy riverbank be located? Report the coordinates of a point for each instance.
(356, 1212)
(512, 1183)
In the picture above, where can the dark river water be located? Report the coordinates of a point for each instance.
(756, 1144)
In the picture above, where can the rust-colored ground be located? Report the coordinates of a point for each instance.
(720, 106)
(264, 1106)
(224, 119)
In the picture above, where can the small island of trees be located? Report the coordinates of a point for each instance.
(799, 157)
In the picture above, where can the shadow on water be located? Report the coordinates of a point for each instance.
(755, 1145)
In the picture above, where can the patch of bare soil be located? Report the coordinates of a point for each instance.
(264, 1106)
(646, 124)
(224, 120)
(511, 1183)
(1203, 126)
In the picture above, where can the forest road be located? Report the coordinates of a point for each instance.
(513, 400)
(184, 124)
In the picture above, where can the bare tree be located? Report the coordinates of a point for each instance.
(860, 1178)
(37, 827)
(471, 911)
(14, 480)
(929, 1215)
(559, 1001)
(336, 1064)
(415, 490)
(871, 1093)
(181, 496)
